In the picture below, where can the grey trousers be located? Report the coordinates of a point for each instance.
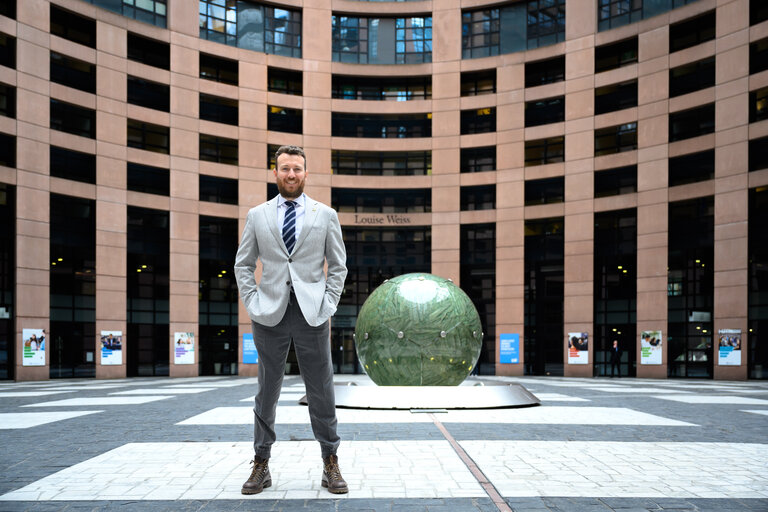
(313, 352)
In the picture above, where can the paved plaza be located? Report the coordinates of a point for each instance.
(592, 445)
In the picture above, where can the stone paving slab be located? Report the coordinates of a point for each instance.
(12, 420)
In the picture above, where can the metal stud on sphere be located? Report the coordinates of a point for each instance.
(418, 330)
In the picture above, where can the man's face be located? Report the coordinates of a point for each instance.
(290, 175)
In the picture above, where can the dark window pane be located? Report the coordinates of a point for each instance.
(758, 11)
(7, 100)
(380, 88)
(546, 111)
(478, 82)
(7, 51)
(218, 149)
(479, 197)
(478, 159)
(692, 32)
(616, 139)
(546, 71)
(381, 201)
(218, 69)
(218, 109)
(758, 105)
(544, 151)
(758, 154)
(480, 120)
(758, 56)
(692, 77)
(149, 51)
(218, 190)
(545, 191)
(73, 165)
(149, 94)
(7, 150)
(611, 182)
(480, 31)
(692, 168)
(73, 27)
(73, 119)
(148, 179)
(383, 163)
(285, 81)
(73, 73)
(692, 123)
(8, 9)
(615, 55)
(147, 136)
(282, 119)
(615, 97)
(381, 125)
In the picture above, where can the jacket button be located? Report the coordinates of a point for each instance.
(290, 260)
(288, 283)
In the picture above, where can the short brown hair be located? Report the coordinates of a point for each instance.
(291, 150)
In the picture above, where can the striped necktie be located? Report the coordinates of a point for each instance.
(289, 226)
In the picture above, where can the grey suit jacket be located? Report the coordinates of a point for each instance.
(320, 242)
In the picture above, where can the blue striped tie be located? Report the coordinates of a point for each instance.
(289, 226)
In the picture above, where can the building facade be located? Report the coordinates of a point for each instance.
(586, 170)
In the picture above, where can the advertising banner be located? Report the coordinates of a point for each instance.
(650, 347)
(250, 355)
(578, 348)
(111, 347)
(33, 341)
(729, 351)
(184, 348)
(509, 348)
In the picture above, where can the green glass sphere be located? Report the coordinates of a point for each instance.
(418, 330)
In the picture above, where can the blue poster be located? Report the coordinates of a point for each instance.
(509, 348)
(250, 356)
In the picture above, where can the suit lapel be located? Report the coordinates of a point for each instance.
(310, 216)
(271, 214)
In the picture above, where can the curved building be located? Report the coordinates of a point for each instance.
(586, 170)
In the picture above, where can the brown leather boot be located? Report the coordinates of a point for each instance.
(332, 476)
(260, 477)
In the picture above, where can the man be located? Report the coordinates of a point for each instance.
(615, 358)
(294, 236)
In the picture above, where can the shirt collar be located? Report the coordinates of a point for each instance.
(299, 200)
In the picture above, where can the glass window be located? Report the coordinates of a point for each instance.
(8, 9)
(544, 151)
(7, 100)
(382, 88)
(381, 40)
(148, 179)
(546, 22)
(350, 39)
(149, 51)
(381, 163)
(284, 119)
(758, 56)
(615, 13)
(148, 11)
(691, 168)
(480, 33)
(616, 139)
(692, 32)
(758, 11)
(218, 109)
(381, 125)
(546, 111)
(149, 137)
(218, 69)
(284, 81)
(404, 200)
(218, 149)
(546, 71)
(73, 119)
(615, 97)
(757, 256)
(73, 27)
(692, 122)
(545, 191)
(479, 120)
(616, 55)
(218, 190)
(218, 21)
(7, 51)
(611, 182)
(478, 197)
(282, 32)
(758, 154)
(149, 94)
(478, 159)
(413, 40)
(475, 83)
(7, 150)
(72, 165)
(692, 77)
(73, 73)
(758, 105)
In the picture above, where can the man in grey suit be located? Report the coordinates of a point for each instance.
(294, 236)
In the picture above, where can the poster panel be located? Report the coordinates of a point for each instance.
(729, 350)
(250, 355)
(650, 347)
(184, 348)
(33, 341)
(111, 347)
(578, 348)
(509, 348)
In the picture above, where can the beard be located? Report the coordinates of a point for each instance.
(290, 193)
